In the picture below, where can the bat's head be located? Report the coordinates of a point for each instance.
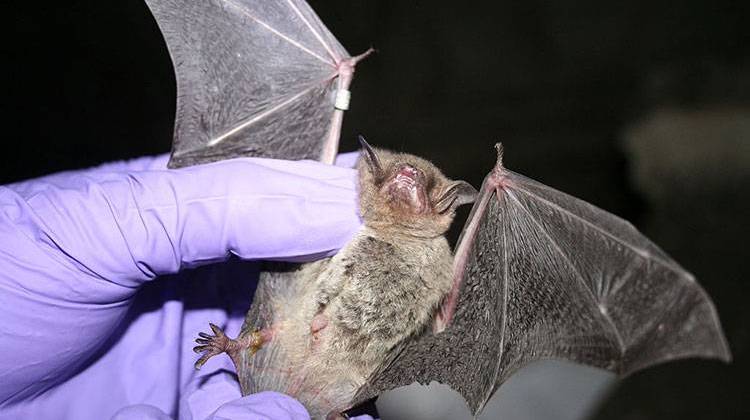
(407, 193)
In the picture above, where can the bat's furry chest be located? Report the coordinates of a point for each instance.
(379, 291)
(373, 295)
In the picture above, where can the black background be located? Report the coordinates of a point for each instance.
(557, 82)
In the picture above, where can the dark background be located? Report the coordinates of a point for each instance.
(640, 107)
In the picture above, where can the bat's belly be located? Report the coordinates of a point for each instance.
(334, 322)
(295, 361)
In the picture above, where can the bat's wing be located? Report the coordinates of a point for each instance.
(542, 274)
(254, 78)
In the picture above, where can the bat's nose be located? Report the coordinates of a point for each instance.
(407, 171)
(408, 176)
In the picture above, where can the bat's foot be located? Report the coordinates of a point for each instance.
(211, 345)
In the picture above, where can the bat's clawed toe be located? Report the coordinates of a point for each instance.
(200, 362)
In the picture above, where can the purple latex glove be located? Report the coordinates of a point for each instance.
(84, 331)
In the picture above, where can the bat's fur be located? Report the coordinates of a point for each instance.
(335, 321)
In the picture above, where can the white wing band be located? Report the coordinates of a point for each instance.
(343, 96)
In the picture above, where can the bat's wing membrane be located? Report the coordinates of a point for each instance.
(254, 78)
(546, 275)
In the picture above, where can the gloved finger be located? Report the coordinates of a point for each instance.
(267, 405)
(145, 163)
(105, 171)
(134, 226)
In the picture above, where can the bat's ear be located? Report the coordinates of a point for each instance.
(372, 159)
(457, 194)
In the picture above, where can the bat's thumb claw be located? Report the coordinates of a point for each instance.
(356, 59)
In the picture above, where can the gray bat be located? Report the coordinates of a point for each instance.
(319, 331)
(536, 273)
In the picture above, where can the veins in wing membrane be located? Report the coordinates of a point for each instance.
(599, 306)
(283, 36)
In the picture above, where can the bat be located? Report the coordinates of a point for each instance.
(318, 331)
(536, 273)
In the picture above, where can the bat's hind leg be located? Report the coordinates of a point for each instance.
(211, 345)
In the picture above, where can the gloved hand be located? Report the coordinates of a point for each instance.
(84, 331)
